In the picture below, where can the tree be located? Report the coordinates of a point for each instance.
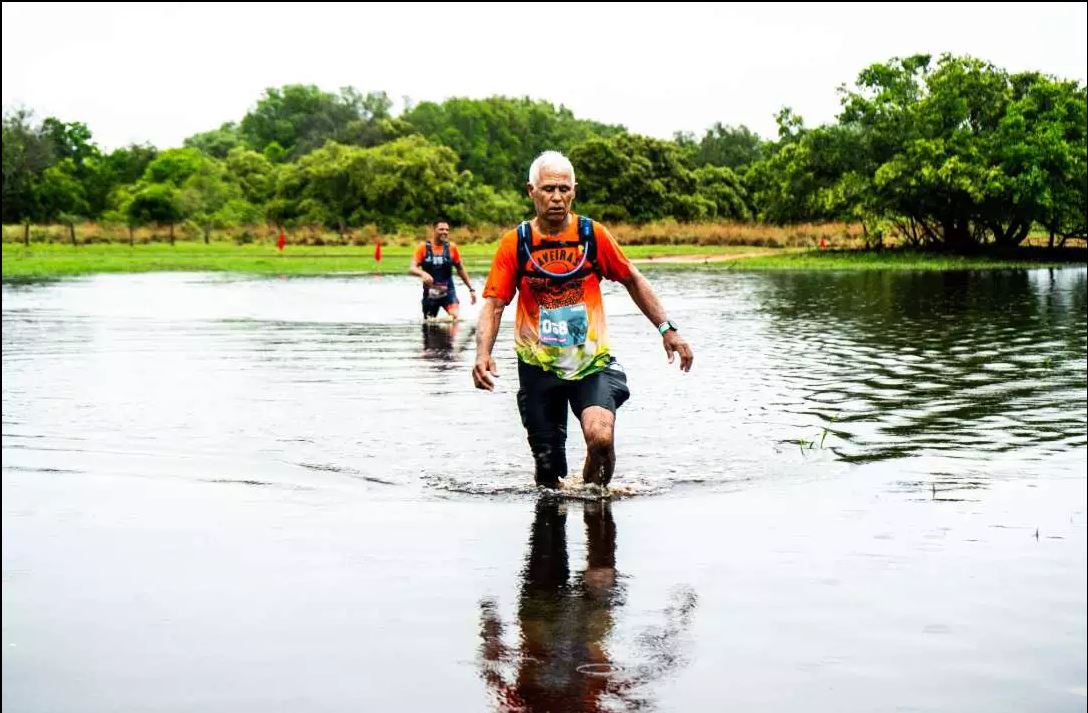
(205, 194)
(617, 179)
(217, 142)
(637, 178)
(254, 173)
(60, 195)
(407, 181)
(964, 153)
(1040, 146)
(156, 203)
(724, 191)
(105, 173)
(120, 212)
(733, 147)
(809, 174)
(301, 118)
(70, 140)
(173, 166)
(26, 154)
(497, 138)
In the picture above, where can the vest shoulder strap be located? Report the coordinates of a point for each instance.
(586, 237)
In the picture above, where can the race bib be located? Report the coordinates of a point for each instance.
(564, 326)
(437, 292)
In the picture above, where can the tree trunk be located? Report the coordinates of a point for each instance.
(956, 234)
(131, 240)
(207, 233)
(1012, 235)
(1022, 233)
(171, 234)
(1050, 241)
(72, 232)
(26, 234)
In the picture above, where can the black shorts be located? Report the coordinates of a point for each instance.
(431, 305)
(543, 397)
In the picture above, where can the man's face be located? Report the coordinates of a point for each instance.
(553, 194)
(442, 232)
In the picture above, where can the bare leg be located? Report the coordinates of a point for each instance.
(598, 427)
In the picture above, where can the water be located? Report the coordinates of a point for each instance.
(225, 493)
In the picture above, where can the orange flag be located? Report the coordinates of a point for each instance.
(378, 250)
(282, 241)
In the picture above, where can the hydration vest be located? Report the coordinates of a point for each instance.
(586, 265)
(440, 267)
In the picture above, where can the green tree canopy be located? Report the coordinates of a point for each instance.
(410, 180)
(27, 153)
(497, 138)
(735, 147)
(637, 178)
(217, 142)
(963, 152)
(301, 118)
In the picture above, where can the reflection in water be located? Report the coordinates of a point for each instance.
(311, 406)
(440, 342)
(940, 376)
(952, 363)
(563, 661)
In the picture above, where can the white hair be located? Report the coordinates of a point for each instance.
(553, 160)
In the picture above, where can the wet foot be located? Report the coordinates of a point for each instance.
(597, 490)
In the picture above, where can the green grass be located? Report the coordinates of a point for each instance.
(54, 260)
(58, 260)
(911, 260)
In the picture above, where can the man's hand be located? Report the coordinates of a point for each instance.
(673, 342)
(427, 280)
(472, 296)
(482, 372)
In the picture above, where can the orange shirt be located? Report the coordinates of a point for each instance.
(560, 325)
(421, 252)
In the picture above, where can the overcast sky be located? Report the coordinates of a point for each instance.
(161, 72)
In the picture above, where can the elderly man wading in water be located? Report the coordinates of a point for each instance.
(555, 263)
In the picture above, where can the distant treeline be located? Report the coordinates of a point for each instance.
(953, 152)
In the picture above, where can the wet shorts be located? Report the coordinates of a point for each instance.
(543, 397)
(431, 305)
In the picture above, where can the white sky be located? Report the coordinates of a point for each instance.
(161, 72)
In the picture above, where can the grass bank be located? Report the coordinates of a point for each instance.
(56, 260)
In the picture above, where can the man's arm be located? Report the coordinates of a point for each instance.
(646, 299)
(415, 269)
(486, 330)
(468, 282)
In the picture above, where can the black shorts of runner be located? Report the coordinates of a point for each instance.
(543, 399)
(432, 305)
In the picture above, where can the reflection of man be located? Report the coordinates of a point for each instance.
(441, 345)
(563, 662)
(433, 263)
(438, 340)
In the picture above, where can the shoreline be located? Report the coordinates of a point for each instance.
(51, 261)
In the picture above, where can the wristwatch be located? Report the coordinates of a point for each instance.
(666, 326)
